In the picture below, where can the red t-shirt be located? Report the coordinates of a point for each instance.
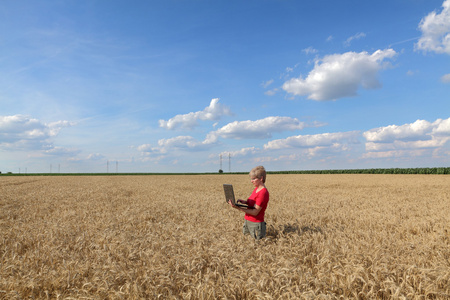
(260, 198)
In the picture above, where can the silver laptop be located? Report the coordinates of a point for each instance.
(229, 195)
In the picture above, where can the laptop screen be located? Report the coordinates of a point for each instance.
(229, 193)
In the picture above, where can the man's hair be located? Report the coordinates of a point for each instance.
(258, 172)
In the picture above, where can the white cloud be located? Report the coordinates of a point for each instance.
(354, 37)
(334, 148)
(340, 75)
(417, 130)
(213, 112)
(402, 145)
(61, 151)
(312, 141)
(271, 92)
(187, 143)
(282, 158)
(445, 78)
(394, 154)
(145, 148)
(408, 137)
(310, 50)
(182, 142)
(435, 29)
(95, 156)
(259, 129)
(244, 152)
(22, 132)
(326, 145)
(441, 127)
(418, 139)
(267, 83)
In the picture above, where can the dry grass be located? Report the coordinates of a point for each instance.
(173, 237)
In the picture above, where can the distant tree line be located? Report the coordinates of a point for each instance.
(372, 171)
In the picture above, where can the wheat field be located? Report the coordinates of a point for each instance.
(174, 237)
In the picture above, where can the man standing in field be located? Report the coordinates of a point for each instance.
(254, 217)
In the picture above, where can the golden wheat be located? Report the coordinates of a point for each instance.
(174, 237)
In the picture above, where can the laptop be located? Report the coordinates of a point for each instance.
(229, 195)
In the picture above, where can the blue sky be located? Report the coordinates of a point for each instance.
(170, 86)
